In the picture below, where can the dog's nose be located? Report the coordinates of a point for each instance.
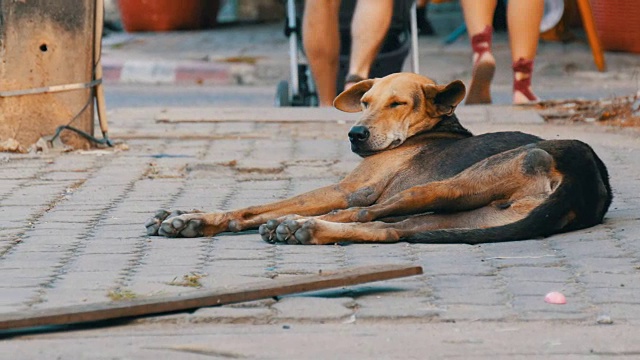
(359, 134)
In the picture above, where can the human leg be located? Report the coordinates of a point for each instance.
(321, 39)
(369, 26)
(478, 16)
(524, 17)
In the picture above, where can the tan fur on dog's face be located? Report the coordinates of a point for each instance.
(397, 107)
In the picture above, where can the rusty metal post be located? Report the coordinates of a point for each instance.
(47, 57)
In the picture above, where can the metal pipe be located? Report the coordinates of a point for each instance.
(415, 64)
(97, 56)
(293, 46)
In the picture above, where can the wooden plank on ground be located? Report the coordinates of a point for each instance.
(197, 299)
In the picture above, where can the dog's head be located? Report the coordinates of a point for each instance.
(395, 108)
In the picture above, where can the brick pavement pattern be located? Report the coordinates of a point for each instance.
(72, 230)
(71, 226)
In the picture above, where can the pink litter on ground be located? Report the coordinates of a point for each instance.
(555, 297)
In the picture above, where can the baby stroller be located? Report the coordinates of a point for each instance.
(401, 39)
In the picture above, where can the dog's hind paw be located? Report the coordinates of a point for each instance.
(268, 231)
(287, 232)
(290, 231)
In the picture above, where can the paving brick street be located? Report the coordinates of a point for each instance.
(71, 232)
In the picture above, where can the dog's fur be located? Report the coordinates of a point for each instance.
(424, 178)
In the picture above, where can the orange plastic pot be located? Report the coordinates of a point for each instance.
(167, 15)
(618, 24)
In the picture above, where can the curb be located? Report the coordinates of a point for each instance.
(172, 72)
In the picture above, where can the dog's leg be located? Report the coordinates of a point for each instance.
(195, 224)
(314, 231)
(501, 177)
(496, 191)
(316, 202)
(360, 188)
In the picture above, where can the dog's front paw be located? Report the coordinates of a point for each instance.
(153, 223)
(185, 225)
(175, 224)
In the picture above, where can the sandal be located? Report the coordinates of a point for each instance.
(351, 80)
(484, 67)
(522, 94)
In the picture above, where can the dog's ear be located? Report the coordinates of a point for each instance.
(445, 97)
(349, 100)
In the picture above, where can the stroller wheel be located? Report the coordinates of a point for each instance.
(282, 94)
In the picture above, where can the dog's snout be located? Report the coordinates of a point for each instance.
(359, 134)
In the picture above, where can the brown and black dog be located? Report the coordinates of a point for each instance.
(425, 179)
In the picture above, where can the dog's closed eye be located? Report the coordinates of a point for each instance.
(395, 104)
(365, 104)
